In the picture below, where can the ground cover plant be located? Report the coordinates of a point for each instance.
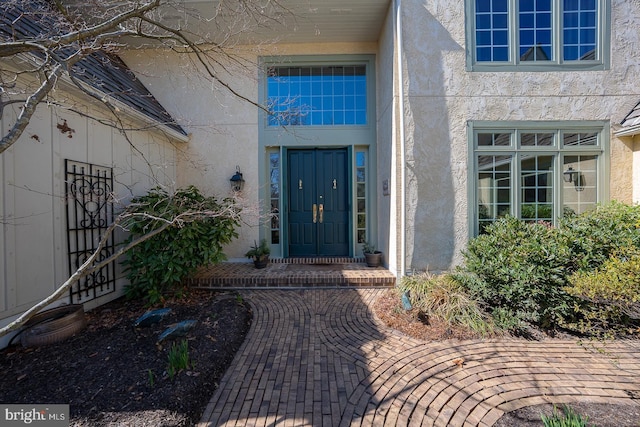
(442, 299)
(565, 418)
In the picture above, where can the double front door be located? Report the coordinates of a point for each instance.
(318, 202)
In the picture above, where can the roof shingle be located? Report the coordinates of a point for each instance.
(103, 71)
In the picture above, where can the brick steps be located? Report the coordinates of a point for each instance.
(294, 273)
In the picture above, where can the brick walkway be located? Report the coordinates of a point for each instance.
(318, 357)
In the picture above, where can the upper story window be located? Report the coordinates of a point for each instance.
(317, 96)
(537, 34)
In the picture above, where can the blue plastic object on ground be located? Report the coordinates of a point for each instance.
(406, 303)
(177, 330)
(151, 317)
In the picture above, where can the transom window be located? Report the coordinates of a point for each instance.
(317, 96)
(535, 171)
(535, 33)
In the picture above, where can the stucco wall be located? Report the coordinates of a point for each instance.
(622, 177)
(442, 97)
(636, 169)
(33, 236)
(387, 144)
(223, 128)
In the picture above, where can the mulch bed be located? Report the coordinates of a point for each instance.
(112, 373)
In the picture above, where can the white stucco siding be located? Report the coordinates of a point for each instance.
(223, 128)
(33, 231)
(442, 96)
(388, 218)
(636, 169)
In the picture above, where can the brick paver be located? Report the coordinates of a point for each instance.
(318, 357)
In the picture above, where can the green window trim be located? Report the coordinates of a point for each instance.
(496, 31)
(536, 171)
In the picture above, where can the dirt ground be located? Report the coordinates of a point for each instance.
(115, 374)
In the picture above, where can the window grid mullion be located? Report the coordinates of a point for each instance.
(514, 33)
(558, 187)
(557, 38)
(517, 154)
(515, 187)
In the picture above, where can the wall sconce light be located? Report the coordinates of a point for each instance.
(236, 181)
(570, 175)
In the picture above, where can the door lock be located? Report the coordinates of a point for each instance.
(335, 185)
(321, 208)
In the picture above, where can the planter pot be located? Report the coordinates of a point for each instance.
(373, 259)
(261, 262)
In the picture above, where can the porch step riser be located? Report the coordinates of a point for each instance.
(326, 282)
(319, 260)
(291, 275)
(242, 284)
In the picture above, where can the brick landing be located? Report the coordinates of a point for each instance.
(294, 273)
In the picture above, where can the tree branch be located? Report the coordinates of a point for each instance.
(29, 108)
(90, 266)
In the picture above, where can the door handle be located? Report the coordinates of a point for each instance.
(321, 208)
(315, 213)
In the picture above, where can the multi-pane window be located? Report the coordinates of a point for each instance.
(571, 33)
(317, 96)
(274, 195)
(361, 196)
(535, 171)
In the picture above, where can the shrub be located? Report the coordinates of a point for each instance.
(157, 266)
(521, 268)
(613, 290)
(445, 298)
(595, 235)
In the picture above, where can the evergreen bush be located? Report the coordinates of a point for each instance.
(550, 276)
(595, 235)
(521, 268)
(157, 266)
(613, 291)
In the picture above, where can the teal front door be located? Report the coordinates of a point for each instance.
(318, 202)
